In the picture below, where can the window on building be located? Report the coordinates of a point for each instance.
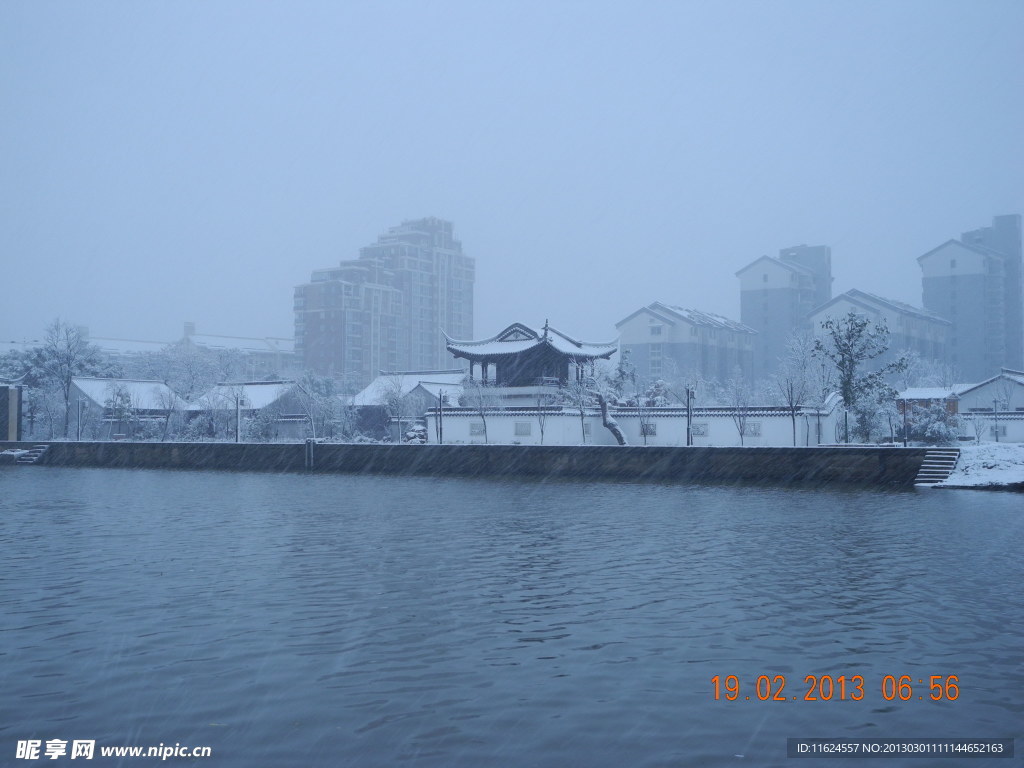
(764, 278)
(524, 428)
(586, 430)
(655, 330)
(476, 428)
(754, 428)
(1000, 430)
(648, 428)
(699, 430)
(655, 359)
(952, 263)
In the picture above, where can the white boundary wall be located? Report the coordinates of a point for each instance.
(664, 426)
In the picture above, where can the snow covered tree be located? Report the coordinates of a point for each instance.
(122, 410)
(934, 424)
(605, 388)
(67, 353)
(189, 370)
(849, 342)
(874, 411)
(318, 400)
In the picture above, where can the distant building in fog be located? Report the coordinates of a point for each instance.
(975, 283)
(910, 328)
(258, 356)
(388, 309)
(664, 341)
(777, 296)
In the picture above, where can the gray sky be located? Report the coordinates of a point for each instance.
(164, 161)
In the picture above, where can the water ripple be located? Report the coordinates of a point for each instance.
(432, 622)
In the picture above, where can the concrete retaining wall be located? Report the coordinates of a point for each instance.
(866, 466)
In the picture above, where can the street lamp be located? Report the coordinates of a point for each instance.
(904, 422)
(689, 415)
(995, 415)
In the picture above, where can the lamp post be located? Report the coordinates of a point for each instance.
(440, 417)
(995, 415)
(689, 415)
(904, 422)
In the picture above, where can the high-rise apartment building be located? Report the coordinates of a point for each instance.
(387, 309)
(975, 283)
(777, 296)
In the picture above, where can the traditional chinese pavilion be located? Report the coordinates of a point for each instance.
(520, 356)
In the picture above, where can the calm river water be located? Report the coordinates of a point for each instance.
(291, 620)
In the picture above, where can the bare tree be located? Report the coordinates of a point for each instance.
(393, 399)
(480, 396)
(171, 405)
(577, 395)
(792, 381)
(544, 401)
(738, 393)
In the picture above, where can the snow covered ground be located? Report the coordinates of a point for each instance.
(988, 464)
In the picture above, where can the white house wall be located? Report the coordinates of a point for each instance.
(982, 396)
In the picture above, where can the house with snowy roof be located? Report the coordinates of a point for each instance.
(910, 328)
(395, 399)
(990, 410)
(667, 341)
(222, 409)
(119, 408)
(994, 409)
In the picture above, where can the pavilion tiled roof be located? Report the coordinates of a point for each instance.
(519, 338)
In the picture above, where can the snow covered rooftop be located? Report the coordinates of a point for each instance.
(245, 344)
(406, 381)
(900, 306)
(864, 298)
(434, 388)
(519, 338)
(126, 346)
(792, 266)
(927, 393)
(144, 394)
(254, 395)
(250, 345)
(706, 319)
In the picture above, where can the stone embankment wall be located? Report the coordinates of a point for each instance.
(865, 466)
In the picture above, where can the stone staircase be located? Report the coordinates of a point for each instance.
(937, 466)
(34, 455)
